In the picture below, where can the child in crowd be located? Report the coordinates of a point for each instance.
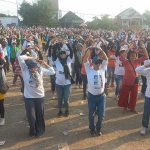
(17, 72)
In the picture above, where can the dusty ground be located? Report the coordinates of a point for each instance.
(120, 132)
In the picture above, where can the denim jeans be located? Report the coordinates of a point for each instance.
(118, 79)
(96, 102)
(63, 93)
(84, 79)
(35, 115)
(73, 72)
(146, 113)
(110, 71)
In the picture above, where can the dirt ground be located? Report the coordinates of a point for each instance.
(120, 132)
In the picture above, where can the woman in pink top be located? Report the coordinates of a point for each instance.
(129, 90)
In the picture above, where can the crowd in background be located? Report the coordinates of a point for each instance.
(93, 59)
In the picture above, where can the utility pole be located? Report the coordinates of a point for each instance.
(17, 11)
(17, 7)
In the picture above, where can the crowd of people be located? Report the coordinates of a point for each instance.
(93, 60)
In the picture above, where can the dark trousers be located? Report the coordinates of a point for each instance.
(2, 108)
(77, 70)
(53, 79)
(12, 60)
(43, 46)
(35, 114)
(15, 78)
(7, 63)
(84, 79)
(144, 85)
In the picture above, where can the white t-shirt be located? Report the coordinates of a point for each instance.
(60, 76)
(145, 72)
(96, 78)
(119, 69)
(31, 91)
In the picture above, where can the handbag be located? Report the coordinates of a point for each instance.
(136, 81)
(4, 88)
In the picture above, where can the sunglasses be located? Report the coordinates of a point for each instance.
(98, 62)
(62, 53)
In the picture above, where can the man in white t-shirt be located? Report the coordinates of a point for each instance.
(96, 85)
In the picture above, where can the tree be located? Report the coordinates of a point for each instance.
(104, 23)
(37, 14)
(146, 14)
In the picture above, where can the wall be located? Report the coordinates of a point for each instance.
(9, 20)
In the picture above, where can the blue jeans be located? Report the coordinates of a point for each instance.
(118, 79)
(63, 93)
(146, 113)
(35, 115)
(99, 102)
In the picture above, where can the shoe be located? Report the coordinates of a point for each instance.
(77, 86)
(98, 132)
(31, 135)
(116, 98)
(60, 114)
(26, 118)
(143, 130)
(2, 121)
(38, 135)
(113, 85)
(80, 86)
(66, 113)
(92, 132)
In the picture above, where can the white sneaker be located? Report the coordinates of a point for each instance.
(116, 98)
(77, 86)
(2, 121)
(143, 130)
(80, 86)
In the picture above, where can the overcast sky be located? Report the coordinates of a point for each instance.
(87, 7)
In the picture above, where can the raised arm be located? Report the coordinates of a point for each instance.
(88, 53)
(103, 54)
(126, 51)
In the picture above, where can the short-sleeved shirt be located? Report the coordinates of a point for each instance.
(96, 78)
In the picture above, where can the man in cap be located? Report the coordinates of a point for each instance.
(96, 86)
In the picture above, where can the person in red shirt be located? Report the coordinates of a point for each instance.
(129, 90)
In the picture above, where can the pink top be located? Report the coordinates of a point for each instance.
(129, 76)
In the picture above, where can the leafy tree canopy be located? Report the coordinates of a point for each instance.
(37, 14)
(146, 14)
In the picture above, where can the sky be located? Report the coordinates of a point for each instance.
(86, 9)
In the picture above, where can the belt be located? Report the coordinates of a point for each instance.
(98, 94)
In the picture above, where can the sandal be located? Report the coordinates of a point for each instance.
(124, 112)
(134, 111)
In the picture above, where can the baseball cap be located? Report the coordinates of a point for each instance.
(97, 58)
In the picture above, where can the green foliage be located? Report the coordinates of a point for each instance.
(104, 23)
(37, 14)
(146, 14)
(4, 15)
